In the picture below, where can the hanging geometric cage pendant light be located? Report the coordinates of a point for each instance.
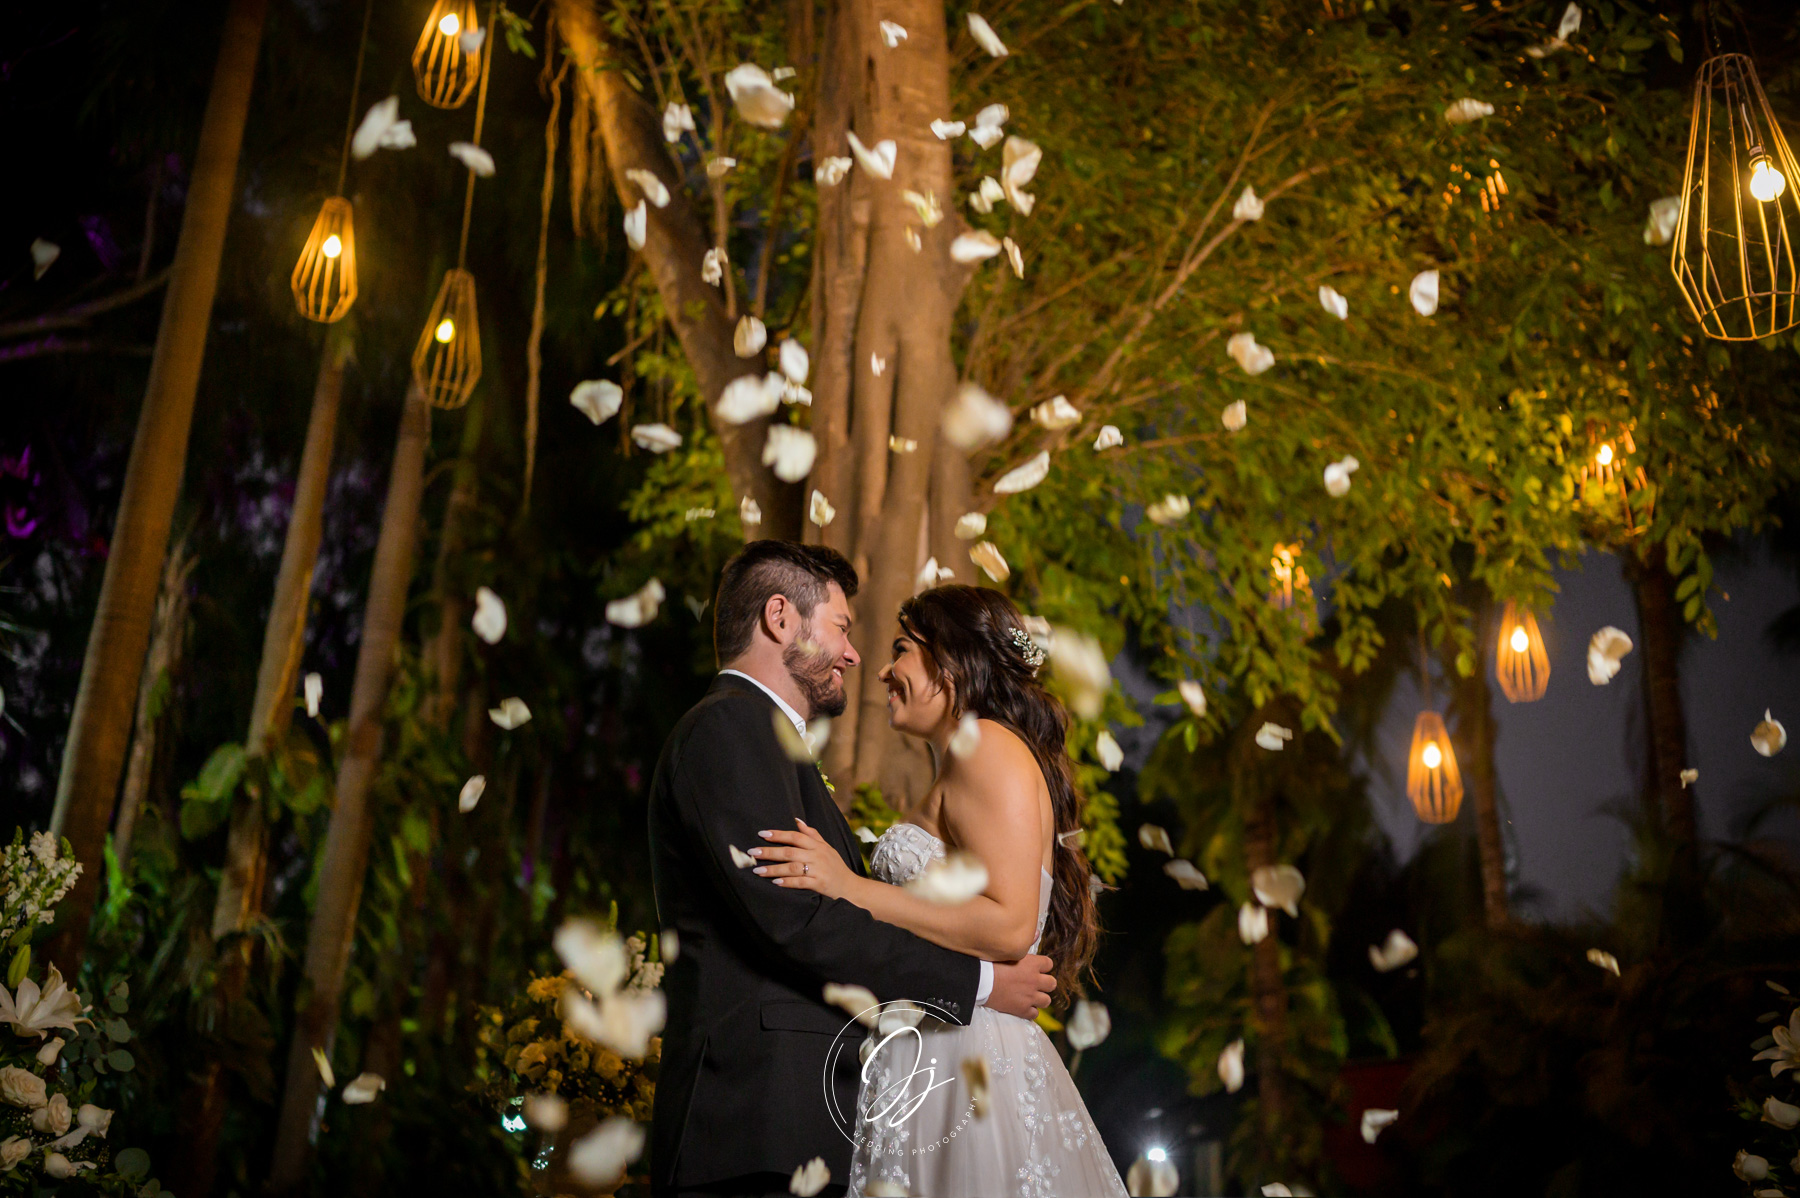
(1520, 662)
(1433, 782)
(1740, 209)
(447, 361)
(324, 279)
(446, 70)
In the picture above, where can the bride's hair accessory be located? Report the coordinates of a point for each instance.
(1029, 649)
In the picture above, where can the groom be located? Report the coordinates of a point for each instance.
(740, 1102)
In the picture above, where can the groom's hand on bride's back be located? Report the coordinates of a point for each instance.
(1022, 987)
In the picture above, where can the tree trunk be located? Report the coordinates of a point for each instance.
(346, 852)
(98, 731)
(1659, 621)
(166, 644)
(239, 902)
(1472, 704)
(1254, 796)
(674, 248)
(445, 653)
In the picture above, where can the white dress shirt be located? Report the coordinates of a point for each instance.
(984, 986)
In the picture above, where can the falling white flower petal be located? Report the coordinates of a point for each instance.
(793, 741)
(1193, 695)
(757, 98)
(1231, 1066)
(1186, 874)
(597, 399)
(1015, 257)
(1570, 24)
(546, 1112)
(1397, 950)
(1155, 838)
(987, 555)
(489, 621)
(992, 116)
(930, 574)
(986, 136)
(892, 34)
(1273, 737)
(967, 737)
(1337, 476)
(1278, 886)
(1689, 777)
(718, 168)
(857, 1001)
(637, 225)
(478, 160)
(974, 247)
(1423, 292)
(1088, 1025)
(1152, 1178)
(1024, 477)
(749, 511)
(913, 242)
(924, 206)
(1665, 214)
(1253, 923)
(1769, 737)
(511, 713)
(1248, 207)
(749, 337)
(1110, 438)
(1466, 110)
(877, 160)
(901, 444)
(471, 793)
(780, 73)
(599, 1158)
(794, 360)
(867, 835)
(677, 118)
(638, 608)
(1080, 663)
(1107, 749)
(1604, 960)
(789, 451)
(1056, 414)
(363, 1088)
(975, 418)
(1374, 1120)
(314, 688)
(382, 130)
(471, 40)
(1018, 166)
(1168, 509)
(1248, 354)
(1235, 416)
(950, 880)
(819, 510)
(324, 1066)
(657, 438)
(899, 1014)
(653, 188)
(985, 36)
(739, 857)
(970, 525)
(831, 171)
(987, 193)
(1606, 650)
(945, 130)
(746, 398)
(1334, 303)
(712, 267)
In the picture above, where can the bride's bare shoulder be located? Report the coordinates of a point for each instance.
(999, 754)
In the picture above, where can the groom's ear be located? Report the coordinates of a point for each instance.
(780, 621)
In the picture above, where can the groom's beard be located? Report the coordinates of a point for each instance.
(811, 672)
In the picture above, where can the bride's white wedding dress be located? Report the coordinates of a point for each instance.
(1037, 1140)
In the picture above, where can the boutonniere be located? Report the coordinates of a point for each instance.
(826, 779)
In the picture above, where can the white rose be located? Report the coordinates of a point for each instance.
(48, 1053)
(13, 1149)
(53, 1116)
(21, 1087)
(59, 1166)
(96, 1119)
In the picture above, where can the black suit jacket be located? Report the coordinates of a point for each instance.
(741, 1087)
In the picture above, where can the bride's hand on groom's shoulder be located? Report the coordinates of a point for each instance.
(802, 860)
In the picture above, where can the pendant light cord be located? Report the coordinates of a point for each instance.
(362, 47)
(1424, 669)
(487, 62)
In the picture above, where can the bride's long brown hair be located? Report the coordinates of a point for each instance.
(970, 636)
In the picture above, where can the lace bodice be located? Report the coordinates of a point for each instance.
(904, 850)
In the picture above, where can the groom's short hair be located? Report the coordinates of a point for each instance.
(760, 571)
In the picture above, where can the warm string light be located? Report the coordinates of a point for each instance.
(1520, 663)
(1433, 781)
(324, 279)
(1610, 481)
(444, 69)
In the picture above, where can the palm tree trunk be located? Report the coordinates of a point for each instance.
(94, 756)
(445, 653)
(346, 853)
(239, 901)
(166, 644)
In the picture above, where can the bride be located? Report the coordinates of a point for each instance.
(1008, 800)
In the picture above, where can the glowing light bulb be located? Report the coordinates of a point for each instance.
(1156, 1154)
(449, 25)
(1431, 757)
(1766, 182)
(1520, 642)
(332, 247)
(446, 330)
(1604, 457)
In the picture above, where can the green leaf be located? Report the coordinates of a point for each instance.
(132, 1163)
(15, 973)
(117, 1031)
(121, 1060)
(219, 777)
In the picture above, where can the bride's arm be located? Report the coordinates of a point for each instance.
(990, 809)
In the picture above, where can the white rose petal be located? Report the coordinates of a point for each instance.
(712, 267)
(746, 398)
(1235, 416)
(1107, 749)
(657, 438)
(471, 793)
(1024, 477)
(757, 98)
(970, 525)
(1110, 438)
(478, 160)
(789, 451)
(892, 34)
(1253, 923)
(810, 1178)
(987, 555)
(819, 510)
(1056, 414)
(1466, 110)
(1769, 737)
(1168, 509)
(638, 608)
(637, 225)
(1603, 959)
(43, 253)
(1080, 662)
(1784, 1115)
(380, 130)
(314, 689)
(1015, 257)
(986, 136)
(1248, 354)
(511, 713)
(471, 40)
(901, 444)
(489, 621)
(597, 399)
(1337, 476)
(1185, 873)
(1374, 1120)
(1665, 214)
(877, 160)
(1248, 207)
(1423, 292)
(749, 337)
(1018, 165)
(831, 171)
(1088, 1025)
(546, 1112)
(975, 418)
(749, 512)
(1606, 650)
(1193, 695)
(1689, 777)
(945, 130)
(1334, 303)
(974, 247)
(987, 194)
(951, 880)
(1278, 886)
(653, 188)
(1155, 838)
(599, 1158)
(363, 1088)
(323, 1064)
(1231, 1066)
(858, 1001)
(718, 168)
(985, 36)
(1397, 950)
(913, 241)
(967, 737)
(677, 118)
(1273, 737)
(794, 360)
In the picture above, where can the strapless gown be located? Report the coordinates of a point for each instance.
(1037, 1139)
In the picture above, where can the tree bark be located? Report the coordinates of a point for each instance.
(166, 645)
(674, 247)
(1661, 625)
(445, 653)
(1254, 796)
(1473, 706)
(98, 731)
(346, 853)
